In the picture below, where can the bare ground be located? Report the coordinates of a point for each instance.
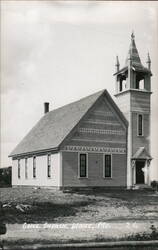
(46, 205)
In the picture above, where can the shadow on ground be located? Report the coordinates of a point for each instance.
(40, 211)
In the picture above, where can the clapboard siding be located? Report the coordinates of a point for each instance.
(41, 172)
(140, 141)
(134, 100)
(140, 101)
(95, 170)
(123, 102)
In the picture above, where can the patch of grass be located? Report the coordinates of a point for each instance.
(145, 236)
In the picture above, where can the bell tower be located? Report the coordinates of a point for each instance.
(133, 91)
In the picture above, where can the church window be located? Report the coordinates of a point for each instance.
(26, 169)
(83, 165)
(140, 124)
(19, 168)
(34, 167)
(107, 166)
(120, 85)
(49, 166)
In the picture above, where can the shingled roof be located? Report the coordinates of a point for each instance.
(55, 125)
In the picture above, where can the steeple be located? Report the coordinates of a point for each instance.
(133, 75)
(117, 65)
(133, 54)
(133, 91)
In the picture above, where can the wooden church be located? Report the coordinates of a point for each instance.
(92, 142)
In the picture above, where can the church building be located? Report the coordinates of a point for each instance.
(93, 142)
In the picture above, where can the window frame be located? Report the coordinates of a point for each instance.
(49, 166)
(34, 167)
(107, 177)
(26, 168)
(142, 129)
(79, 176)
(19, 169)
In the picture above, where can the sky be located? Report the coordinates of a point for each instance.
(61, 51)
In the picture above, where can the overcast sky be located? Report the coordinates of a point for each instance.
(62, 51)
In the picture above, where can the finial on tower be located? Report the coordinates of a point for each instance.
(132, 35)
(148, 61)
(117, 65)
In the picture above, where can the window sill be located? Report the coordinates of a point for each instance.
(79, 177)
(109, 178)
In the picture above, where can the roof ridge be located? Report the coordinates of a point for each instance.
(73, 102)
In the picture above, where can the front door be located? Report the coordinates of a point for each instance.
(139, 172)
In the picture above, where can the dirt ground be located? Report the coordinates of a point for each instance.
(46, 205)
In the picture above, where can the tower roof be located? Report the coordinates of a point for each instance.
(133, 57)
(133, 54)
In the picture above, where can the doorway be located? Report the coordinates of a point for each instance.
(139, 171)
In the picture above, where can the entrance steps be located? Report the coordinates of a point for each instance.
(141, 187)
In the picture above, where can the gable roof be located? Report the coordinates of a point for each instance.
(141, 153)
(54, 126)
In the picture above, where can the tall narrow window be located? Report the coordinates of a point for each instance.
(26, 169)
(34, 167)
(19, 168)
(120, 85)
(83, 165)
(49, 166)
(140, 125)
(107, 166)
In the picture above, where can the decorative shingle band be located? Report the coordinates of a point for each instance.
(95, 149)
(101, 122)
(106, 113)
(97, 140)
(101, 131)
